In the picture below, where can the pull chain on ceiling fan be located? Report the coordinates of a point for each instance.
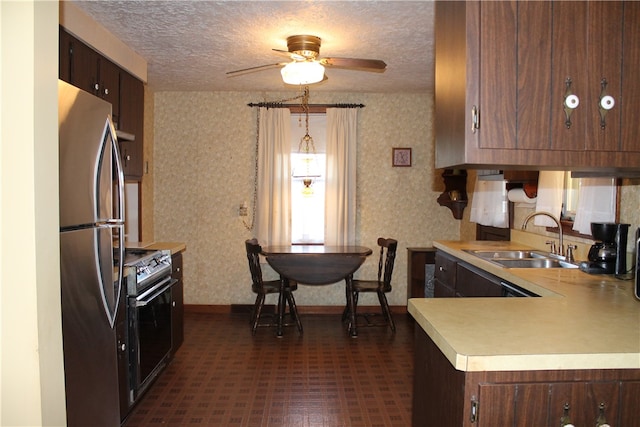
(305, 66)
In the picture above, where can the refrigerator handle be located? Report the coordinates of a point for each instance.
(120, 214)
(118, 165)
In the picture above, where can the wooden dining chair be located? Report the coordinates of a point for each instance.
(380, 286)
(262, 288)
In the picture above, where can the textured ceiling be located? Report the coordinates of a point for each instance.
(190, 45)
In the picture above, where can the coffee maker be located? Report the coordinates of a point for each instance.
(609, 254)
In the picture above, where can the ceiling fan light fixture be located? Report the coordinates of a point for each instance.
(302, 73)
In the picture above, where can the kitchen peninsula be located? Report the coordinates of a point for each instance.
(519, 361)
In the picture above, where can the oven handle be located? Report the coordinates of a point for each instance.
(154, 292)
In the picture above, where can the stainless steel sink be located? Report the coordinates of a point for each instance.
(513, 254)
(534, 263)
(522, 258)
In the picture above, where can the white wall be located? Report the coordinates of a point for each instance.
(32, 380)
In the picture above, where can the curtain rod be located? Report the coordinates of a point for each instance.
(279, 105)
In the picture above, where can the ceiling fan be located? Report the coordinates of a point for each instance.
(306, 67)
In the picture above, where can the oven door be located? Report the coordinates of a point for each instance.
(150, 334)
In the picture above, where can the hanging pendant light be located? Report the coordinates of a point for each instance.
(307, 168)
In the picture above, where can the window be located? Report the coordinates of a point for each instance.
(570, 196)
(307, 202)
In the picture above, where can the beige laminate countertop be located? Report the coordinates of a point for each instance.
(174, 247)
(582, 321)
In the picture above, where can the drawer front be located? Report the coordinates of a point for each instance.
(473, 283)
(445, 270)
(440, 290)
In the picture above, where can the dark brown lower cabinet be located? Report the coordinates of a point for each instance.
(444, 396)
(177, 301)
(417, 261)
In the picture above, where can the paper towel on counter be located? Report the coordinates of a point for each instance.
(518, 196)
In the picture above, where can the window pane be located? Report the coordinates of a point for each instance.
(307, 206)
(307, 203)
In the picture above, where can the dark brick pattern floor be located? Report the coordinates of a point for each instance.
(222, 376)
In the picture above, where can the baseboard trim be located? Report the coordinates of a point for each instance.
(270, 308)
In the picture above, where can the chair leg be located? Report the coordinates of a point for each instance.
(345, 312)
(385, 310)
(257, 310)
(293, 310)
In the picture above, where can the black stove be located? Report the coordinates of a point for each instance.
(150, 264)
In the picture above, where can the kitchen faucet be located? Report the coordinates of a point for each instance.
(561, 243)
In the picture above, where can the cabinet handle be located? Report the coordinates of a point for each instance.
(606, 103)
(475, 119)
(571, 102)
(474, 410)
(565, 420)
(602, 420)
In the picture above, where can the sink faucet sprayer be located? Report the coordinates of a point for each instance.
(560, 237)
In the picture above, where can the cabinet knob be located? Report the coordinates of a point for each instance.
(173, 303)
(441, 268)
(96, 86)
(106, 91)
(123, 347)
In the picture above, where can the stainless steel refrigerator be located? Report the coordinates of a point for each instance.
(91, 255)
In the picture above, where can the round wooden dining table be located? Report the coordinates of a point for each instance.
(317, 265)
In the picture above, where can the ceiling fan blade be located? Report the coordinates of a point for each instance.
(375, 65)
(282, 52)
(253, 69)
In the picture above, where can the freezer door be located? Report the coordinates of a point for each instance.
(90, 291)
(91, 179)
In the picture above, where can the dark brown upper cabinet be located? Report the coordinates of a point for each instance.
(529, 85)
(88, 70)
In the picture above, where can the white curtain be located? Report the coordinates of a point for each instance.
(273, 210)
(596, 203)
(489, 205)
(340, 195)
(550, 188)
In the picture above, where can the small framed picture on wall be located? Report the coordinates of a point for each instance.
(401, 157)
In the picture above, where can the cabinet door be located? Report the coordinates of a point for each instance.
(587, 49)
(630, 99)
(533, 67)
(516, 405)
(84, 67)
(109, 74)
(473, 282)
(177, 297)
(497, 74)
(583, 400)
(629, 404)
(132, 121)
(64, 60)
(445, 270)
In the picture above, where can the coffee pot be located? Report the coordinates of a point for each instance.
(608, 254)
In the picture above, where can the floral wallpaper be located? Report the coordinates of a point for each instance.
(203, 166)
